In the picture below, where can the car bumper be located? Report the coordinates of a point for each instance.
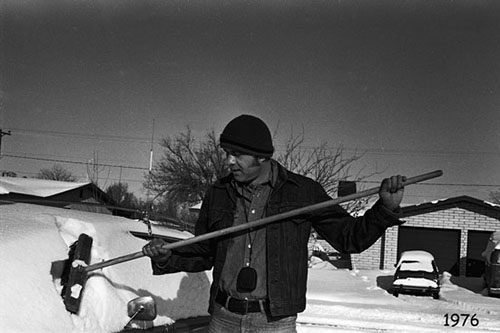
(494, 291)
(416, 289)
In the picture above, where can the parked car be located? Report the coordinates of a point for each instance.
(492, 264)
(416, 273)
(31, 283)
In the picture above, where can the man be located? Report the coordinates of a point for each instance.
(260, 276)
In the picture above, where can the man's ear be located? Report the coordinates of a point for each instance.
(261, 160)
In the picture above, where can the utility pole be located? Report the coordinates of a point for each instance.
(2, 133)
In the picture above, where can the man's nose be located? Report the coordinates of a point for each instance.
(231, 160)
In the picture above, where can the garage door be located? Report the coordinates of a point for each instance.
(444, 244)
(476, 243)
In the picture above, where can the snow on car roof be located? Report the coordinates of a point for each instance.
(416, 255)
(416, 260)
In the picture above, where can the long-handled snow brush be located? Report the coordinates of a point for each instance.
(78, 264)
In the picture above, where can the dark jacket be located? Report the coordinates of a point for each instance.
(287, 253)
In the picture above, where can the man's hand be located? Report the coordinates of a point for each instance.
(156, 252)
(391, 191)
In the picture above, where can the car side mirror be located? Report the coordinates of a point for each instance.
(142, 308)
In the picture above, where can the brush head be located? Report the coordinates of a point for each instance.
(74, 274)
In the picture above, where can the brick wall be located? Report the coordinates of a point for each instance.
(464, 218)
(368, 259)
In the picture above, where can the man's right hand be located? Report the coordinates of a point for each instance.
(156, 252)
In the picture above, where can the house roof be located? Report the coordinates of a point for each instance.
(36, 187)
(465, 202)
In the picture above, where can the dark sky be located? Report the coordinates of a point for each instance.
(415, 85)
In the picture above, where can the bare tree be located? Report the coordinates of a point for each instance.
(188, 168)
(495, 197)
(56, 172)
(325, 165)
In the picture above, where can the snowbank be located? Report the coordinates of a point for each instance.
(361, 300)
(34, 243)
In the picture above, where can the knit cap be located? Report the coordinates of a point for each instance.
(249, 135)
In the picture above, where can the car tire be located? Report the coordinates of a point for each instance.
(395, 293)
(435, 295)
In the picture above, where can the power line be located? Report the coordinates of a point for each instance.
(383, 151)
(84, 136)
(122, 180)
(65, 157)
(145, 169)
(73, 162)
(279, 147)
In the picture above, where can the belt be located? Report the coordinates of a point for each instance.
(241, 306)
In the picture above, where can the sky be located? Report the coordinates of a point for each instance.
(412, 86)
(337, 300)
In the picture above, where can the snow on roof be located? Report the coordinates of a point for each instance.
(36, 187)
(427, 203)
(455, 202)
(437, 201)
(491, 204)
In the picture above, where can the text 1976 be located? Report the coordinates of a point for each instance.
(462, 319)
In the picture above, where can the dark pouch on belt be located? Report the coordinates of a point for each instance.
(247, 280)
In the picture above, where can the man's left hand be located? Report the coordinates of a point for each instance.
(391, 192)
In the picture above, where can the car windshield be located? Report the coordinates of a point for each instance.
(415, 265)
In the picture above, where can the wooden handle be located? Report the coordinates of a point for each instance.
(266, 220)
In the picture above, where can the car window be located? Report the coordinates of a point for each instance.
(414, 265)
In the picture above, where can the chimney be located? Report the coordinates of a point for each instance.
(346, 188)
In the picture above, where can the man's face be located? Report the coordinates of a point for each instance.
(245, 168)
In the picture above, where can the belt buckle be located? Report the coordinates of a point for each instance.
(246, 305)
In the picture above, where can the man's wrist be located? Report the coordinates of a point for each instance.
(392, 209)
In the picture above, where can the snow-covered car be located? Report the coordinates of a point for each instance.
(416, 273)
(492, 264)
(34, 243)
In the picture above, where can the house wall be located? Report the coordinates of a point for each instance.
(467, 217)
(370, 258)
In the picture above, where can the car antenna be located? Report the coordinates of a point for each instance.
(145, 216)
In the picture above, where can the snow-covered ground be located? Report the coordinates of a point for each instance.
(34, 241)
(359, 300)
